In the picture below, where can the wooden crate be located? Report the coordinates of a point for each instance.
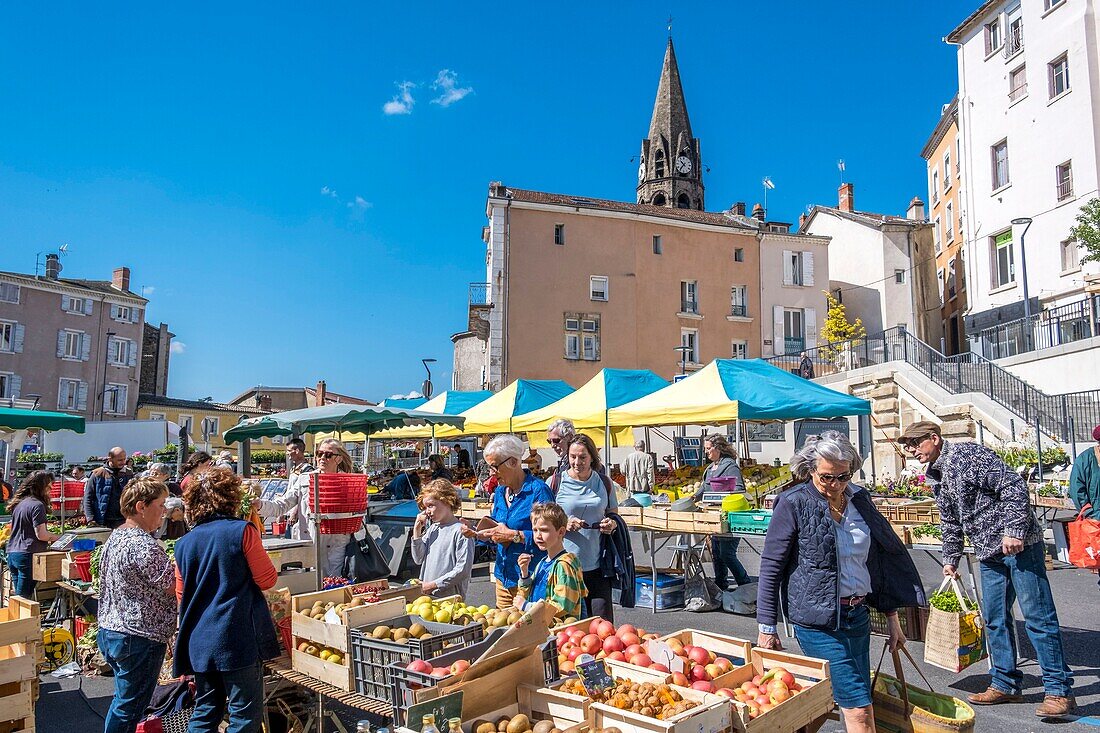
(632, 515)
(815, 700)
(47, 565)
(474, 510)
(337, 636)
(20, 647)
(738, 651)
(712, 715)
(696, 522)
(922, 512)
(550, 703)
(337, 675)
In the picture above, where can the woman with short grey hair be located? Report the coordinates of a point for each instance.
(517, 491)
(828, 555)
(163, 472)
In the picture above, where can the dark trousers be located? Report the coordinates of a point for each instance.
(598, 602)
(241, 690)
(724, 550)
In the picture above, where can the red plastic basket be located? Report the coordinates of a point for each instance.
(72, 489)
(341, 526)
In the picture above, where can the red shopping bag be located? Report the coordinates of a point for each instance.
(1084, 541)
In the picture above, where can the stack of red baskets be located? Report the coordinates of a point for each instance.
(67, 496)
(339, 493)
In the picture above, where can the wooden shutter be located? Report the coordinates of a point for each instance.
(788, 268)
(778, 343)
(64, 301)
(17, 339)
(63, 394)
(135, 315)
(807, 268)
(82, 396)
(131, 357)
(16, 385)
(87, 306)
(114, 312)
(61, 343)
(809, 326)
(85, 346)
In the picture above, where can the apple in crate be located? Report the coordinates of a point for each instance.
(641, 660)
(703, 686)
(591, 644)
(680, 679)
(659, 668)
(441, 672)
(613, 644)
(419, 665)
(726, 692)
(460, 666)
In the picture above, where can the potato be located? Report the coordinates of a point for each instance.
(380, 632)
(543, 726)
(417, 630)
(483, 726)
(502, 724)
(519, 724)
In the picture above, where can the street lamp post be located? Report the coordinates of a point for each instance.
(1026, 223)
(684, 350)
(426, 388)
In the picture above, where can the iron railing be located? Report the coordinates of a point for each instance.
(479, 294)
(1015, 41)
(793, 345)
(739, 309)
(689, 306)
(1051, 327)
(1056, 415)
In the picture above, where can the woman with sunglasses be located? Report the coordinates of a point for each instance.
(828, 555)
(331, 457)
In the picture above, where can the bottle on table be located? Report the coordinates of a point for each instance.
(429, 725)
(454, 725)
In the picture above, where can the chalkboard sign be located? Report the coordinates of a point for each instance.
(443, 708)
(594, 676)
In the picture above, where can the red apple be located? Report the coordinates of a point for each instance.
(786, 677)
(641, 660)
(753, 709)
(573, 653)
(780, 696)
(614, 656)
(460, 666)
(626, 629)
(713, 670)
(703, 685)
(562, 638)
(639, 632)
(630, 638)
(604, 629)
(699, 674)
(419, 665)
(749, 688)
(758, 679)
(725, 664)
(594, 625)
(761, 700)
(567, 647)
(675, 646)
(699, 655)
(776, 686)
(613, 644)
(440, 672)
(591, 644)
(659, 667)
(725, 692)
(680, 679)
(576, 635)
(649, 637)
(633, 649)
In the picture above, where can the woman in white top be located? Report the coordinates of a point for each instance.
(332, 457)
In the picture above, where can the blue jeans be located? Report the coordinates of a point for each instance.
(724, 551)
(22, 582)
(136, 662)
(241, 689)
(1022, 577)
(848, 652)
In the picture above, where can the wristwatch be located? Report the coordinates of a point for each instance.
(519, 536)
(768, 629)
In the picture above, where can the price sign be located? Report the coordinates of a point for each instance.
(594, 676)
(443, 708)
(662, 653)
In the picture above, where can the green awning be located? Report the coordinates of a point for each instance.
(15, 419)
(333, 418)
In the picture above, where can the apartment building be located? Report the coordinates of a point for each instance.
(794, 275)
(204, 420)
(70, 344)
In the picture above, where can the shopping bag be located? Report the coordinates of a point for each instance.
(700, 592)
(1084, 540)
(955, 640)
(900, 706)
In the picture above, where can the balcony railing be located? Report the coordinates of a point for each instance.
(479, 294)
(793, 345)
(1052, 327)
(1017, 92)
(1015, 41)
(1065, 189)
(689, 306)
(739, 309)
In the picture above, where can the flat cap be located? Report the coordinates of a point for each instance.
(919, 430)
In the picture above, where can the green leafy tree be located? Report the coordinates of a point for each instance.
(1087, 231)
(838, 329)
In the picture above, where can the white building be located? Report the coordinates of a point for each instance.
(881, 267)
(1029, 115)
(794, 275)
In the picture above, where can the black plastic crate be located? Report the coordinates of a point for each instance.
(404, 682)
(371, 658)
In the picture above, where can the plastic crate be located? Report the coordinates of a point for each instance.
(371, 658)
(751, 522)
(670, 591)
(404, 682)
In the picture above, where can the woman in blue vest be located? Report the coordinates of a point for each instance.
(225, 629)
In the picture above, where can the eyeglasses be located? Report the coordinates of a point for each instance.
(830, 478)
(494, 467)
(327, 454)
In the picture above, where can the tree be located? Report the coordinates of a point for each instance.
(838, 329)
(1087, 231)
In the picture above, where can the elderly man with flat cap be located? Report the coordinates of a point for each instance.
(980, 496)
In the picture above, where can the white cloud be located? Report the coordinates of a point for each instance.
(360, 203)
(148, 289)
(410, 396)
(446, 82)
(402, 102)
(326, 191)
(178, 347)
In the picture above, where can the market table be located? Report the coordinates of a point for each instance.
(281, 669)
(68, 604)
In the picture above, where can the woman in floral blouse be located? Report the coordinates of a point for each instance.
(137, 603)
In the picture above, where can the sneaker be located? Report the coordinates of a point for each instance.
(993, 696)
(1055, 707)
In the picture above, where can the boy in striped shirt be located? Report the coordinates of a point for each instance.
(558, 577)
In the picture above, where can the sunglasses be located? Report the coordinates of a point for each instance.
(830, 478)
(327, 454)
(911, 443)
(554, 441)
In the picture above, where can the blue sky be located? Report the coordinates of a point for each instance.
(242, 163)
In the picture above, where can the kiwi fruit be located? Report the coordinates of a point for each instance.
(543, 726)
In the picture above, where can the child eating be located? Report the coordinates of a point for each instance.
(557, 578)
(446, 557)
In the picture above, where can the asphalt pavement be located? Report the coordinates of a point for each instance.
(78, 705)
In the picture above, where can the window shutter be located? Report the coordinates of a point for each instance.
(135, 315)
(807, 268)
(120, 400)
(809, 315)
(788, 270)
(87, 306)
(85, 347)
(16, 385)
(17, 339)
(777, 328)
(82, 396)
(131, 347)
(64, 301)
(63, 394)
(61, 343)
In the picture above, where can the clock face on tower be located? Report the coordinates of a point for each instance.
(641, 172)
(683, 165)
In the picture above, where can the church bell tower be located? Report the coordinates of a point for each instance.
(670, 172)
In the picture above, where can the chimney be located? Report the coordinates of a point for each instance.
(802, 222)
(321, 393)
(53, 266)
(847, 197)
(738, 208)
(120, 280)
(263, 401)
(916, 209)
(758, 212)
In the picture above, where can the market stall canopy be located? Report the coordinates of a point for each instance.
(496, 414)
(728, 389)
(588, 406)
(403, 403)
(331, 418)
(12, 418)
(451, 402)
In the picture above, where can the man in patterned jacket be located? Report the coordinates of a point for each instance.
(980, 496)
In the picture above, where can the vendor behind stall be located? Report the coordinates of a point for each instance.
(29, 535)
(332, 458)
(723, 463)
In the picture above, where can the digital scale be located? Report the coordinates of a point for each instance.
(68, 541)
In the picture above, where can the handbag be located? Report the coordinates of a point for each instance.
(363, 561)
(954, 640)
(900, 706)
(700, 592)
(1084, 540)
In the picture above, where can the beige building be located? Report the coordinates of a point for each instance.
(794, 275)
(204, 421)
(943, 154)
(278, 399)
(73, 345)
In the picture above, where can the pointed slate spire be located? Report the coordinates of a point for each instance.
(670, 115)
